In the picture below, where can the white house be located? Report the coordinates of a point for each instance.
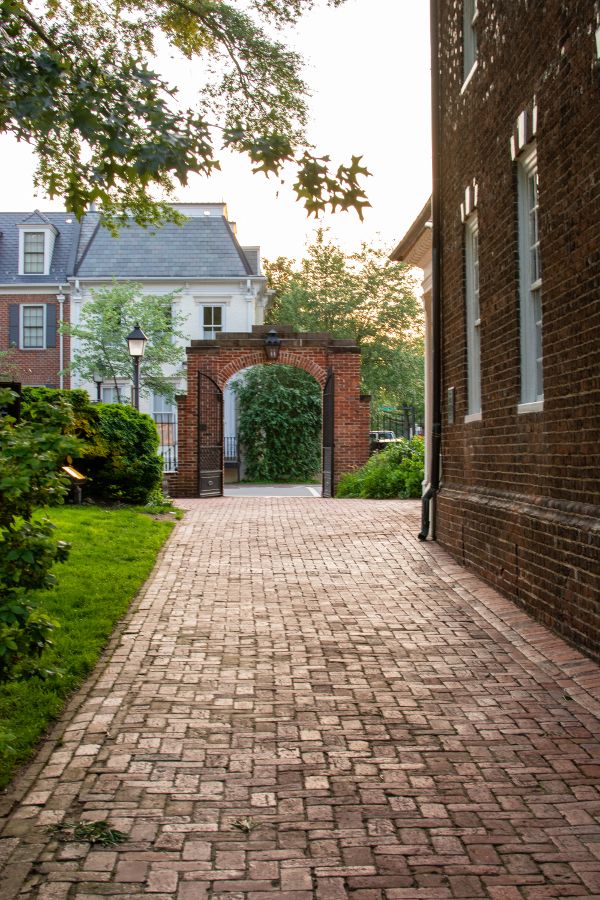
(219, 288)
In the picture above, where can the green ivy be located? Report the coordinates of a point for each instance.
(279, 423)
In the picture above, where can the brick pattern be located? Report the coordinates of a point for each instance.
(35, 367)
(315, 354)
(384, 724)
(521, 496)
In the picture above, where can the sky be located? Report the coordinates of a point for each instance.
(367, 65)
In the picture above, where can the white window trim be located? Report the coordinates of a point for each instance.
(125, 387)
(530, 397)
(469, 77)
(211, 305)
(533, 407)
(470, 48)
(473, 417)
(34, 229)
(22, 309)
(472, 323)
(161, 398)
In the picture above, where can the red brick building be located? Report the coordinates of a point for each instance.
(36, 257)
(519, 230)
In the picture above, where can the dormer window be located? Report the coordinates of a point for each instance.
(36, 244)
(34, 252)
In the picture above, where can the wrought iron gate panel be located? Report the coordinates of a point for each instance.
(328, 444)
(210, 437)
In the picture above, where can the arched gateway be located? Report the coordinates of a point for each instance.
(335, 364)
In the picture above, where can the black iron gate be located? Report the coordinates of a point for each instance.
(210, 437)
(328, 446)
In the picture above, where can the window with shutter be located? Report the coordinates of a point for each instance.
(32, 327)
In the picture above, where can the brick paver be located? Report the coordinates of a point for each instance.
(307, 702)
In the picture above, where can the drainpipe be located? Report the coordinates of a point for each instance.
(249, 306)
(61, 338)
(428, 500)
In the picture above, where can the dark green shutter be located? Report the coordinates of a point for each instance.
(51, 325)
(13, 325)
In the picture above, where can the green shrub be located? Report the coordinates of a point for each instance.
(396, 471)
(31, 453)
(80, 414)
(130, 469)
(118, 445)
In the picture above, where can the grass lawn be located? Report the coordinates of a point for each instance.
(112, 554)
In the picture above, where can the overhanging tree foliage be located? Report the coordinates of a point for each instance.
(279, 423)
(77, 82)
(362, 296)
(102, 330)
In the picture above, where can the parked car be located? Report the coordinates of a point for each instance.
(377, 437)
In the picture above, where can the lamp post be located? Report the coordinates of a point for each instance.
(98, 379)
(272, 345)
(137, 341)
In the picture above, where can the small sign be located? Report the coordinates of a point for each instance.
(73, 473)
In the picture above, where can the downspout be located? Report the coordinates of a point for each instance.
(428, 500)
(61, 338)
(250, 317)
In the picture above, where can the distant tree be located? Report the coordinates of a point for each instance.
(102, 330)
(362, 296)
(77, 82)
(9, 368)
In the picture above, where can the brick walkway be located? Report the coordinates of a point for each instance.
(381, 723)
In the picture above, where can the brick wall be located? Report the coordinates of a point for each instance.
(315, 354)
(35, 367)
(520, 501)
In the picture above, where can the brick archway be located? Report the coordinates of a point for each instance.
(317, 354)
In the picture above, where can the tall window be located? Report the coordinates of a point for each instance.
(212, 321)
(532, 387)
(163, 407)
(33, 252)
(32, 327)
(470, 14)
(473, 317)
(112, 394)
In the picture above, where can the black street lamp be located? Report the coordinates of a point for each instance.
(137, 341)
(98, 379)
(272, 345)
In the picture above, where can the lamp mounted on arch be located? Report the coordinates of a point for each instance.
(272, 345)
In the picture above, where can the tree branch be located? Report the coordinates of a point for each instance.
(222, 37)
(25, 16)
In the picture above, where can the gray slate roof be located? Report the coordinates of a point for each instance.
(9, 246)
(203, 247)
(36, 218)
